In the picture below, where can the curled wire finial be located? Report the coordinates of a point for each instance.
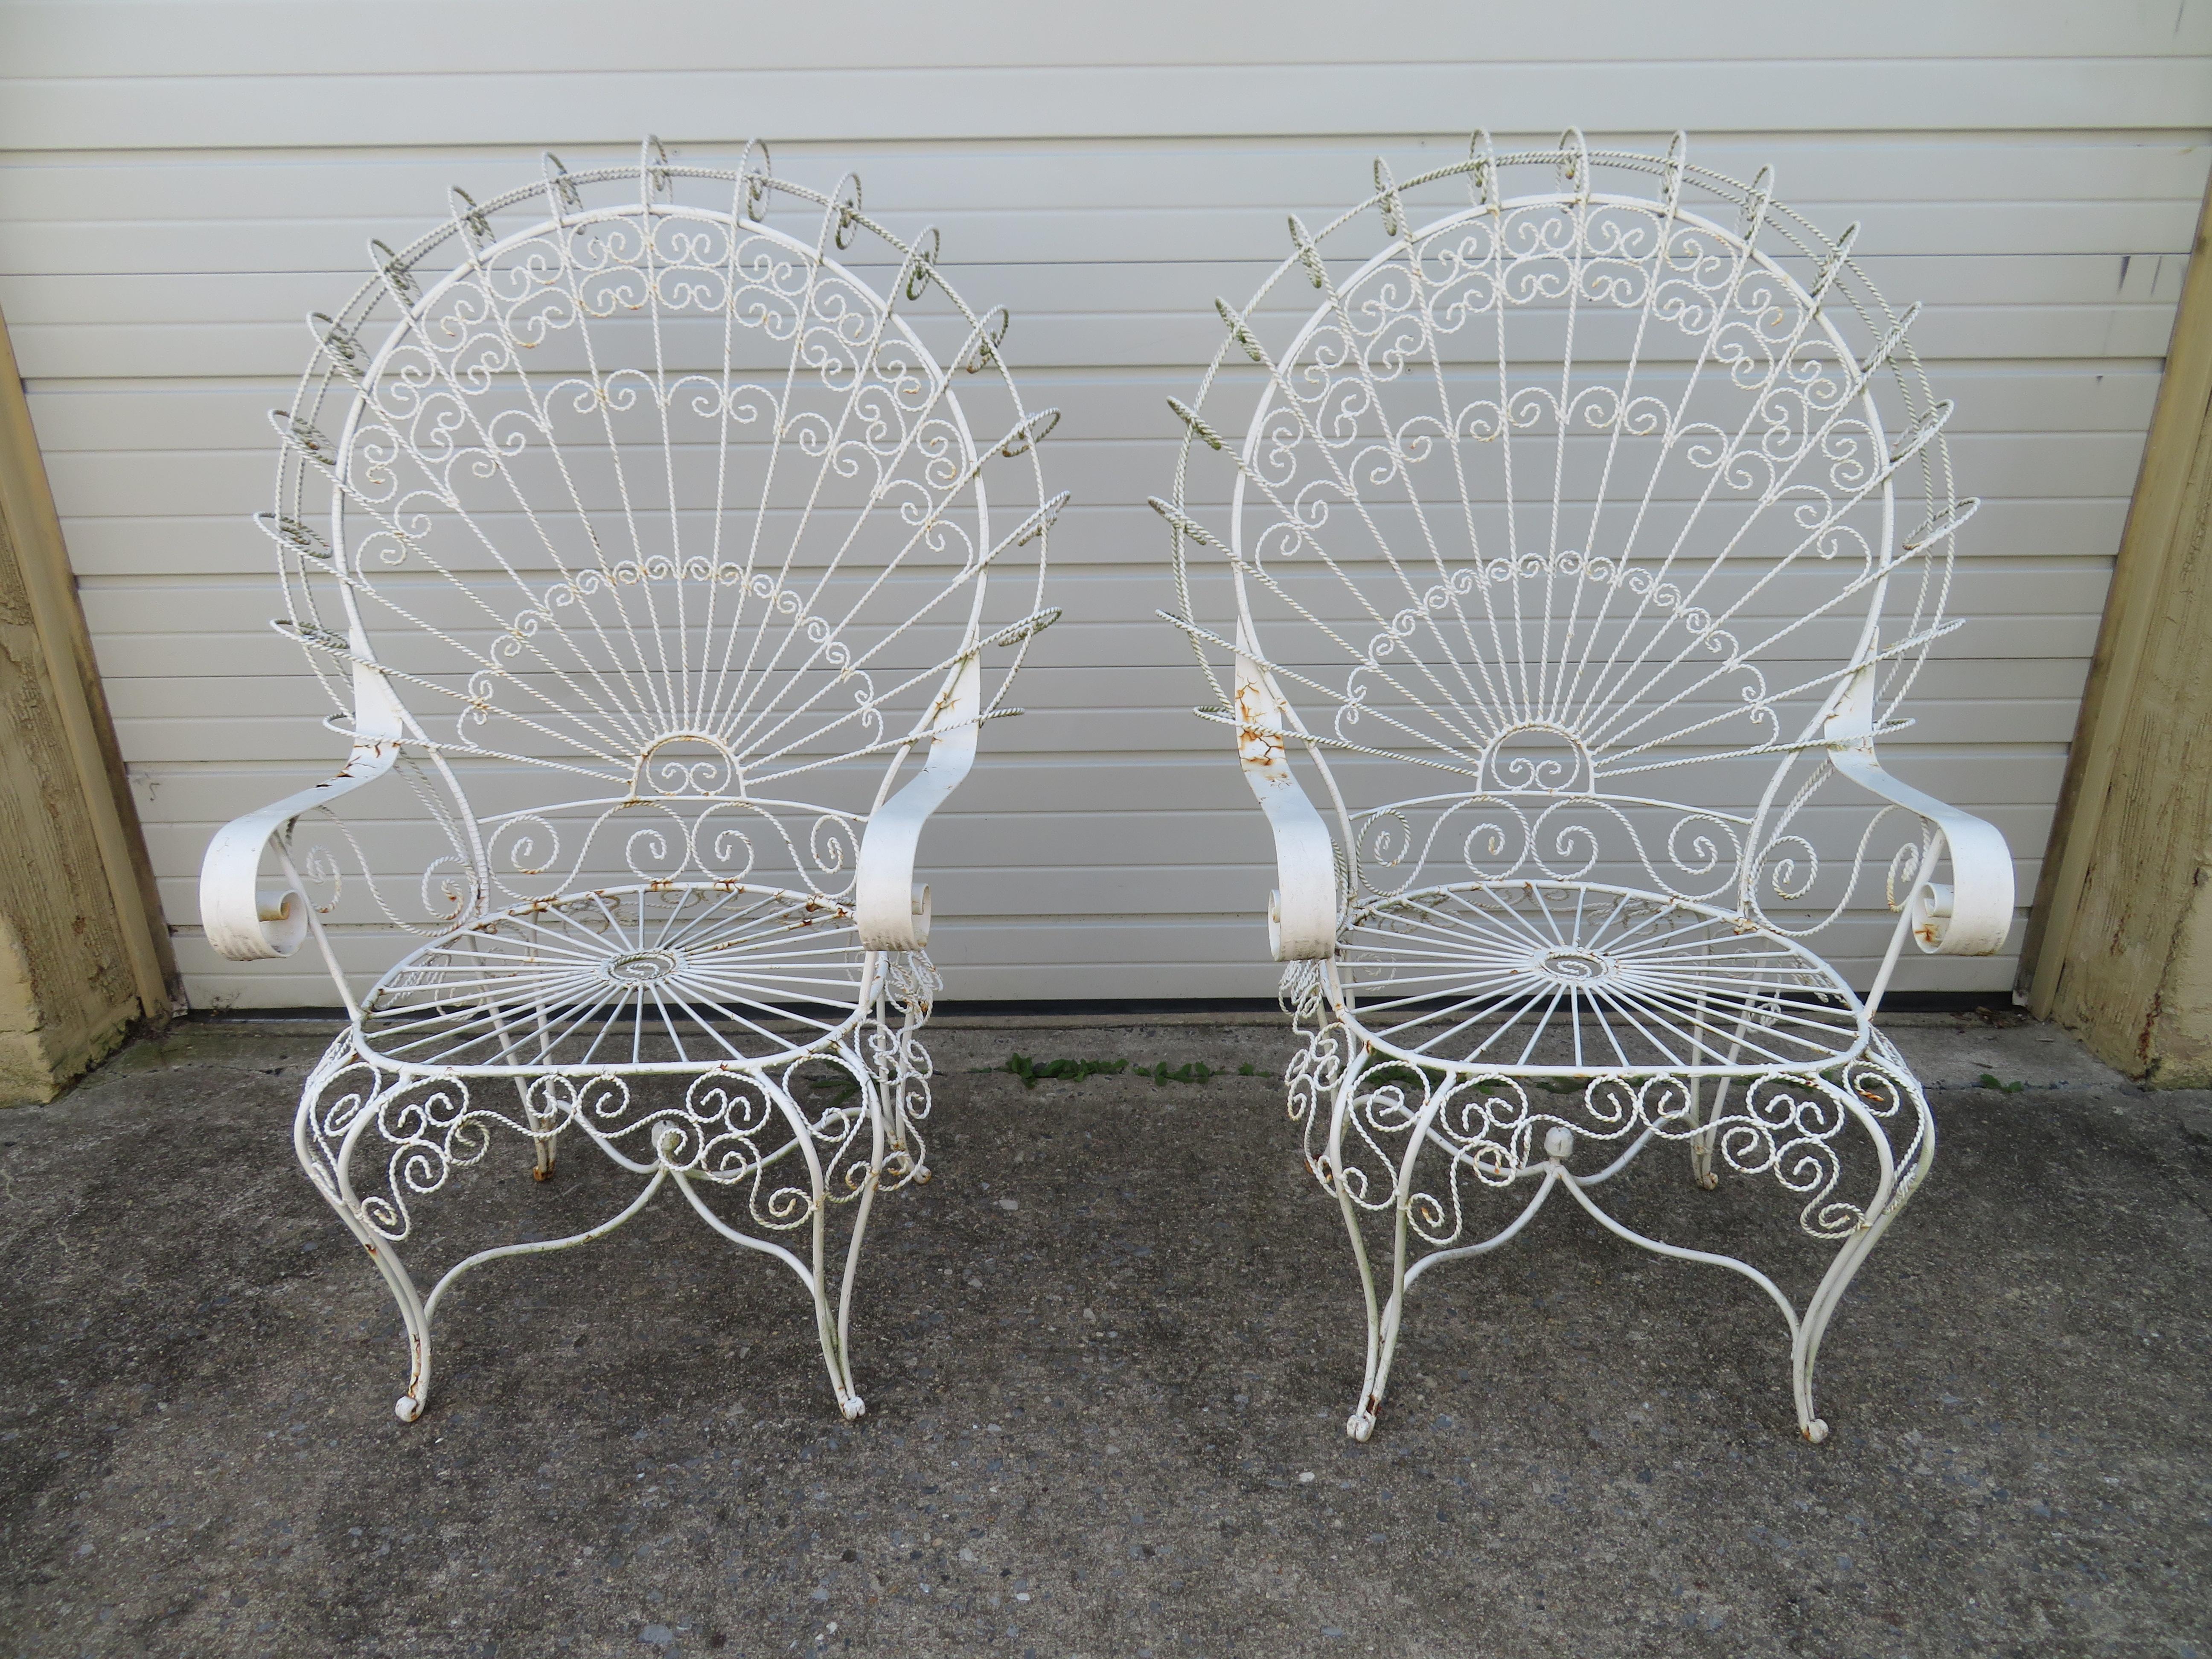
(1190, 417)
(305, 436)
(1482, 169)
(1943, 524)
(1386, 189)
(1575, 163)
(1240, 332)
(1672, 167)
(471, 218)
(921, 263)
(1309, 255)
(338, 343)
(846, 205)
(397, 276)
(755, 169)
(1831, 268)
(560, 187)
(289, 533)
(1755, 205)
(983, 341)
(1026, 435)
(653, 167)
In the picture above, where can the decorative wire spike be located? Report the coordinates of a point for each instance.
(1182, 521)
(1887, 347)
(561, 186)
(1039, 521)
(1943, 524)
(1386, 190)
(310, 634)
(921, 262)
(985, 340)
(1755, 205)
(304, 436)
(288, 531)
(1030, 434)
(653, 167)
(1190, 419)
(847, 211)
(1027, 629)
(1672, 167)
(471, 218)
(755, 169)
(1239, 332)
(1917, 437)
(1575, 163)
(1482, 169)
(1832, 266)
(397, 276)
(1309, 255)
(338, 343)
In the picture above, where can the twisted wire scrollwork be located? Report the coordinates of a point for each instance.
(1481, 1131)
(1503, 837)
(731, 1126)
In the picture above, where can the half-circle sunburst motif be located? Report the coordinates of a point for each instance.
(1602, 492)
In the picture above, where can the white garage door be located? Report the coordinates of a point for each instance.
(181, 183)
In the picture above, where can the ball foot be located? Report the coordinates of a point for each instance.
(1359, 1425)
(854, 1406)
(540, 1175)
(407, 1408)
(1817, 1430)
(1708, 1180)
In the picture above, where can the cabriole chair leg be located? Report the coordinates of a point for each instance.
(331, 1182)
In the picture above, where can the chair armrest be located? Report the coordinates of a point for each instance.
(892, 911)
(1971, 915)
(1302, 911)
(245, 920)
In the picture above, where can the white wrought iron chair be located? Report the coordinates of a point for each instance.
(1562, 540)
(637, 522)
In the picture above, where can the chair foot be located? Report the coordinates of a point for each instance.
(1708, 1180)
(854, 1406)
(1816, 1431)
(1360, 1425)
(540, 1175)
(407, 1408)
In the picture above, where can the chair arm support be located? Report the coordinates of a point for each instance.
(892, 911)
(1302, 911)
(245, 920)
(1972, 915)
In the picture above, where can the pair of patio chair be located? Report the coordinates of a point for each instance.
(665, 537)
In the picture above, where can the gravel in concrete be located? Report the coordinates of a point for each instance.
(1107, 1353)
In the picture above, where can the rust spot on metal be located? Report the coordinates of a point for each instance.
(1258, 745)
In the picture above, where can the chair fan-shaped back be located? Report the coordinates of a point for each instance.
(1597, 493)
(637, 483)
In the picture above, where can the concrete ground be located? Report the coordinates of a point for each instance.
(1107, 1420)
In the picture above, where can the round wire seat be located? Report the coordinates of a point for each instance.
(1529, 977)
(665, 976)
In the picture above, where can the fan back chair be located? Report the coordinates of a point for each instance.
(1583, 543)
(637, 521)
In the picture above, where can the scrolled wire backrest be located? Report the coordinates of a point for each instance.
(1559, 517)
(639, 489)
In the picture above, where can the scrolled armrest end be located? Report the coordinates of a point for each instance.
(1304, 928)
(888, 924)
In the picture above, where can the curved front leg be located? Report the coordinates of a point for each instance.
(1361, 1422)
(326, 1159)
